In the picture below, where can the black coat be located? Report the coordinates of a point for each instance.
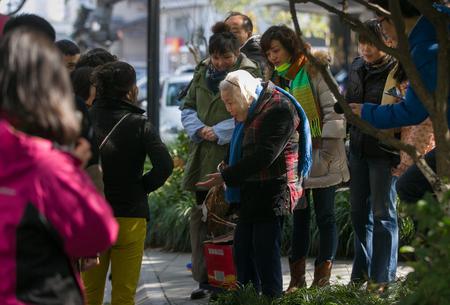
(252, 49)
(123, 156)
(366, 85)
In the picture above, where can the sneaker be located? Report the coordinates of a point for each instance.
(198, 293)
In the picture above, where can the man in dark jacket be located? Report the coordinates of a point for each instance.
(242, 27)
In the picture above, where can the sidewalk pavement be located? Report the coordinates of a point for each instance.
(166, 281)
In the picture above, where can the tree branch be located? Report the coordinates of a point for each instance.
(439, 187)
(405, 58)
(375, 8)
(440, 22)
(355, 24)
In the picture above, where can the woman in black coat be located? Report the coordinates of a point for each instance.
(126, 138)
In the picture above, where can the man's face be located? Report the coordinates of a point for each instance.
(71, 61)
(236, 24)
(388, 29)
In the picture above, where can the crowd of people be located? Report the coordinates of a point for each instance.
(262, 122)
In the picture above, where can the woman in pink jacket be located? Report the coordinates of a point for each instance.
(50, 213)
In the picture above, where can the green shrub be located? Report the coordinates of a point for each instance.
(245, 296)
(332, 295)
(431, 247)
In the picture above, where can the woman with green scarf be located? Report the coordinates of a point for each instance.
(294, 73)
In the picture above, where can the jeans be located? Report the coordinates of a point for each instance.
(257, 256)
(374, 219)
(413, 185)
(323, 199)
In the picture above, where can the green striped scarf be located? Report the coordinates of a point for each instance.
(300, 88)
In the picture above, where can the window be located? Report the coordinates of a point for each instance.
(172, 93)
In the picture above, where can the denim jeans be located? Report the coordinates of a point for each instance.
(413, 185)
(374, 219)
(323, 199)
(257, 256)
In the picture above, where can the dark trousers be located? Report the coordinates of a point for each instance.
(257, 256)
(412, 185)
(198, 232)
(325, 218)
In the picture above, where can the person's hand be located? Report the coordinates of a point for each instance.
(356, 109)
(208, 134)
(213, 180)
(89, 262)
(82, 151)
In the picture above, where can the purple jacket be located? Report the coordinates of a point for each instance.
(50, 214)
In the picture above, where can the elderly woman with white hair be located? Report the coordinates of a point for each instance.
(269, 153)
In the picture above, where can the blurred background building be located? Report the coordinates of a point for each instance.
(121, 26)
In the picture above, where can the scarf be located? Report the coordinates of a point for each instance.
(305, 143)
(233, 194)
(300, 88)
(213, 78)
(385, 62)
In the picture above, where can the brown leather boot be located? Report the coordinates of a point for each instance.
(322, 274)
(297, 269)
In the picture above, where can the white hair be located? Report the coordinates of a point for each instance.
(242, 85)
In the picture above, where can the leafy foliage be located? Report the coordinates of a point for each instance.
(243, 296)
(431, 247)
(332, 295)
(230, 5)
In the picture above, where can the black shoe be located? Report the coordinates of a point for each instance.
(198, 293)
(214, 296)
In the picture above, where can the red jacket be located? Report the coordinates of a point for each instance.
(50, 215)
(3, 20)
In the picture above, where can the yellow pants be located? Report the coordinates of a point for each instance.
(126, 257)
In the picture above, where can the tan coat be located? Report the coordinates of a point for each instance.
(329, 160)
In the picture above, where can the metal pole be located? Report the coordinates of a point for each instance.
(153, 63)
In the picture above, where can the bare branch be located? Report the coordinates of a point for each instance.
(375, 8)
(195, 51)
(437, 184)
(344, 4)
(369, 129)
(440, 22)
(404, 57)
(355, 24)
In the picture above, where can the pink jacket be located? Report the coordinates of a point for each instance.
(50, 215)
(3, 20)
